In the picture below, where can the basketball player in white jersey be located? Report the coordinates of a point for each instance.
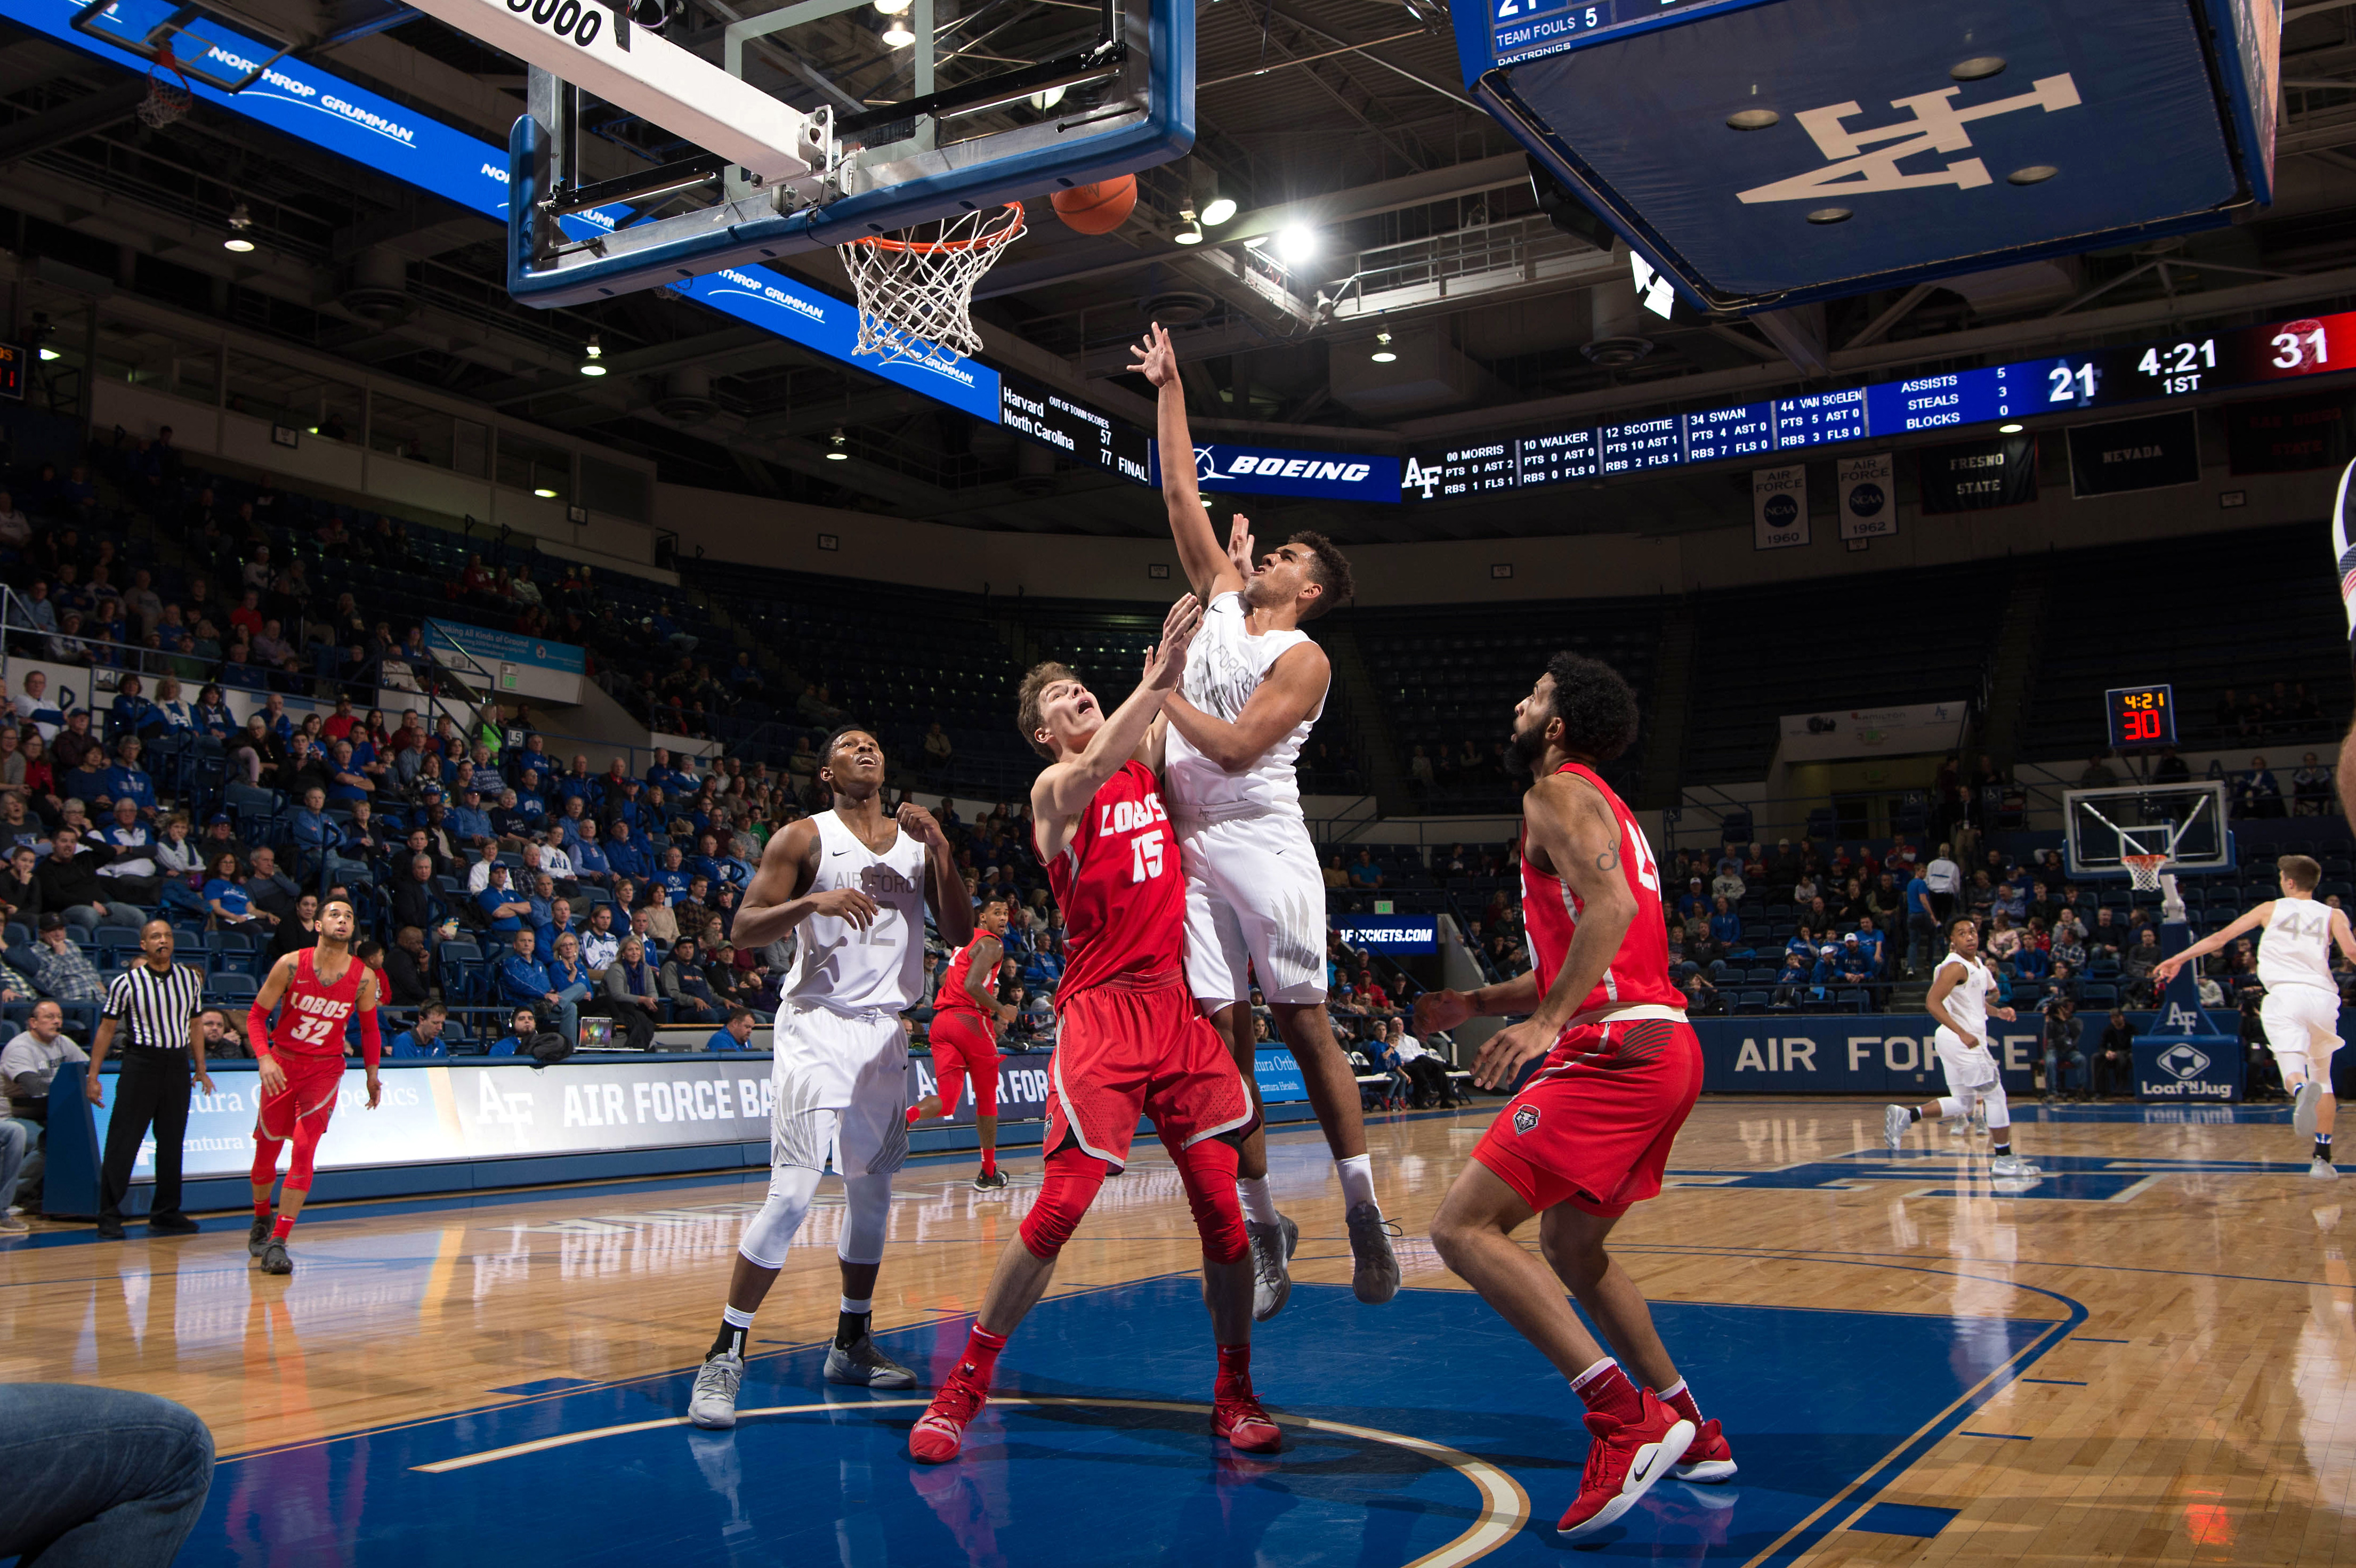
(1255, 894)
(2301, 1012)
(1959, 1000)
(852, 884)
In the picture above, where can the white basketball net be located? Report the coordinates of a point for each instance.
(2144, 870)
(915, 288)
(168, 95)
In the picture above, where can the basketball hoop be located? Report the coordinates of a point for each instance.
(169, 97)
(2144, 870)
(915, 290)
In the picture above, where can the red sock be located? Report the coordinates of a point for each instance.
(1607, 1391)
(1234, 1371)
(1681, 1399)
(261, 1208)
(989, 1161)
(283, 1227)
(980, 1358)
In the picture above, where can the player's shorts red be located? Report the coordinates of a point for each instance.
(1592, 1127)
(1144, 1049)
(963, 1040)
(312, 1083)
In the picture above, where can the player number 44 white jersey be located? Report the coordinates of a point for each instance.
(1224, 667)
(2295, 947)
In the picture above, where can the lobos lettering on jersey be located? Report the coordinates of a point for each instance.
(1130, 816)
(1119, 887)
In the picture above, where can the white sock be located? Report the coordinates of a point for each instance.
(1357, 1174)
(861, 1308)
(735, 1318)
(1259, 1204)
(1593, 1372)
(1670, 1393)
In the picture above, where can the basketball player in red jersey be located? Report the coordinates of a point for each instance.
(302, 1067)
(966, 1016)
(1132, 1041)
(1589, 1133)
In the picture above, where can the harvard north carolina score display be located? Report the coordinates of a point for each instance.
(2141, 715)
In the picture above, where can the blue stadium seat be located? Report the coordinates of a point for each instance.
(230, 989)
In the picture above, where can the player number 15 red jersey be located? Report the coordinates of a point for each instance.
(1639, 975)
(1120, 885)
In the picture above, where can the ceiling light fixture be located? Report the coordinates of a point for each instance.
(543, 492)
(49, 353)
(592, 363)
(898, 35)
(1193, 233)
(2010, 429)
(241, 223)
(834, 447)
(1218, 210)
(1382, 353)
(1043, 101)
(1296, 244)
(893, 7)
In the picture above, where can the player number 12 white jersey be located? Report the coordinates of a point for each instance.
(836, 965)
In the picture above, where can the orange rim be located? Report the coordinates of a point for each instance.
(929, 246)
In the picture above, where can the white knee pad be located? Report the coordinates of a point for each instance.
(772, 1230)
(867, 1216)
(1999, 1115)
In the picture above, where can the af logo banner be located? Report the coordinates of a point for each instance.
(1869, 496)
(1865, 160)
(1779, 507)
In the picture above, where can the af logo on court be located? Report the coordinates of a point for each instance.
(1524, 1117)
(2184, 1062)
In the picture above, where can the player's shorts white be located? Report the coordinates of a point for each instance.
(1255, 904)
(2302, 1028)
(1969, 1069)
(842, 1087)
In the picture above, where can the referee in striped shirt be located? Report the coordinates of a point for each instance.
(160, 1002)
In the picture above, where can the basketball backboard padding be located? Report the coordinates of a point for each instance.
(2188, 821)
(630, 68)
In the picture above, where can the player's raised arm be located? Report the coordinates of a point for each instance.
(1064, 788)
(1295, 685)
(775, 901)
(945, 888)
(2165, 970)
(1572, 827)
(1209, 569)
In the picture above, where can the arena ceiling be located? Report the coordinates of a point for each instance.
(1344, 116)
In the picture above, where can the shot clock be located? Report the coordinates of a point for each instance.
(2141, 716)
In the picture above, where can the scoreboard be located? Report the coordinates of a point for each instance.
(2155, 370)
(2141, 716)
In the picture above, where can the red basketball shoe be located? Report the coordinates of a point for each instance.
(1707, 1460)
(1623, 1462)
(1239, 1419)
(940, 1431)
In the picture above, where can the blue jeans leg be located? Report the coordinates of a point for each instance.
(568, 1011)
(16, 1147)
(99, 1477)
(84, 916)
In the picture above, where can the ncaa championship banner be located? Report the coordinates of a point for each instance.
(1869, 495)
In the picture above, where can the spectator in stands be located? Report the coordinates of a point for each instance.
(734, 1035)
(62, 970)
(501, 906)
(523, 1027)
(467, 821)
(1792, 980)
(2310, 788)
(1727, 884)
(684, 987)
(272, 890)
(2097, 774)
(409, 968)
(524, 982)
(423, 1040)
(634, 993)
(2255, 793)
(20, 885)
(1855, 962)
(2137, 965)
(574, 985)
(600, 943)
(624, 853)
(2171, 768)
(71, 890)
(2069, 944)
(1725, 924)
(2062, 1056)
(1365, 875)
(938, 751)
(233, 909)
(2114, 1065)
(130, 871)
(299, 930)
(486, 859)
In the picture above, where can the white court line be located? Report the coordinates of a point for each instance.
(1505, 1506)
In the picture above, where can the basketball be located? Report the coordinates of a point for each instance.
(1097, 208)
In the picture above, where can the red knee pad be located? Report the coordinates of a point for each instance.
(266, 1159)
(1209, 1169)
(1073, 1177)
(306, 1148)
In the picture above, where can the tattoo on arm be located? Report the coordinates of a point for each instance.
(1609, 860)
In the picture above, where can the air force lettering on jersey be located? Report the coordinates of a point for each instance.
(842, 968)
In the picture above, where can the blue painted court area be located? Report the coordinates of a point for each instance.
(2083, 1178)
(1122, 1482)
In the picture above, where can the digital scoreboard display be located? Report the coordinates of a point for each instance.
(2239, 359)
(2141, 716)
(1073, 428)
